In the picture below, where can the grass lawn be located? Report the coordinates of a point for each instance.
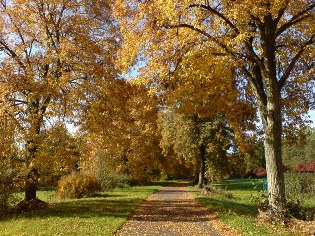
(239, 211)
(100, 215)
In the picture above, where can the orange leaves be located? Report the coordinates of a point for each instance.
(122, 128)
(52, 54)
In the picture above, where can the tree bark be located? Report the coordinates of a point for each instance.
(31, 184)
(202, 169)
(269, 99)
(196, 172)
(272, 122)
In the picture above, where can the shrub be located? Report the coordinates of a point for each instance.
(111, 181)
(300, 184)
(308, 167)
(293, 206)
(4, 196)
(78, 185)
(257, 172)
(260, 200)
(6, 186)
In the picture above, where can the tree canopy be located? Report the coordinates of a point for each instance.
(49, 50)
(214, 78)
(269, 46)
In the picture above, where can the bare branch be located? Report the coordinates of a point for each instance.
(281, 12)
(209, 36)
(215, 12)
(12, 54)
(295, 19)
(290, 67)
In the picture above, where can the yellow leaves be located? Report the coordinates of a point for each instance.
(242, 37)
(123, 130)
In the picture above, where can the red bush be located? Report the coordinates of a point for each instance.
(257, 172)
(309, 167)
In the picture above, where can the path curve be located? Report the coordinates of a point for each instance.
(171, 211)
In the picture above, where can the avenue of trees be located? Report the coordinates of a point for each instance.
(219, 85)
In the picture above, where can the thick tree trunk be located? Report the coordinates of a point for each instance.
(202, 169)
(273, 154)
(31, 184)
(268, 95)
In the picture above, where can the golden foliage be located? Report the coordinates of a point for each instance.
(50, 51)
(123, 136)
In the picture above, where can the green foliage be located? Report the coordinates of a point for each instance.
(300, 184)
(260, 200)
(8, 183)
(192, 138)
(298, 187)
(4, 193)
(78, 185)
(8, 162)
(111, 181)
(302, 153)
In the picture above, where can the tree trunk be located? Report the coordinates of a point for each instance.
(273, 154)
(202, 168)
(31, 184)
(196, 173)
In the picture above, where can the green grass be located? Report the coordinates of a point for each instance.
(100, 215)
(239, 211)
(309, 202)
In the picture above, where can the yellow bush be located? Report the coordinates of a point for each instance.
(78, 185)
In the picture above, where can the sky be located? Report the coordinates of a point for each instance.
(312, 114)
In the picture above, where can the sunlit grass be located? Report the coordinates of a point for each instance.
(240, 211)
(99, 215)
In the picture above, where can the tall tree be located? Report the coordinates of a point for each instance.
(201, 141)
(270, 44)
(49, 49)
(122, 122)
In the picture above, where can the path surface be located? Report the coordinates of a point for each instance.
(171, 211)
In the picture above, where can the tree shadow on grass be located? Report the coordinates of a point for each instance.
(241, 184)
(102, 205)
(84, 208)
(228, 205)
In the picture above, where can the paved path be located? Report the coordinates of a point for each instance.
(171, 211)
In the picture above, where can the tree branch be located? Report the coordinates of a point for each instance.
(256, 82)
(294, 20)
(220, 15)
(13, 54)
(233, 27)
(209, 36)
(290, 67)
(281, 12)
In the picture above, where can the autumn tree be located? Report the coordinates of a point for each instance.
(49, 50)
(121, 122)
(58, 154)
(201, 141)
(269, 43)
